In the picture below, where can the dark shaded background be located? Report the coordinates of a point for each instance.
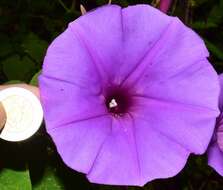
(26, 29)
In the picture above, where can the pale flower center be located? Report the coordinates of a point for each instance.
(113, 103)
(118, 100)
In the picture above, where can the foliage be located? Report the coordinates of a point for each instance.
(26, 29)
(11, 180)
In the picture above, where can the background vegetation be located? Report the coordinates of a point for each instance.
(26, 29)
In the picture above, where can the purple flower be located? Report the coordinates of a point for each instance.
(165, 5)
(215, 150)
(128, 94)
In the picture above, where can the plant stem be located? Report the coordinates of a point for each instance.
(174, 7)
(73, 5)
(63, 5)
(187, 11)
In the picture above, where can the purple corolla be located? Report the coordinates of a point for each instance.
(128, 94)
(215, 150)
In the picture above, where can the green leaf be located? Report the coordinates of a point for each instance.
(34, 80)
(214, 50)
(14, 180)
(200, 2)
(35, 47)
(216, 14)
(5, 45)
(16, 68)
(203, 25)
(49, 181)
(14, 82)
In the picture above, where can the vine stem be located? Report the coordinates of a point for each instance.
(174, 7)
(73, 5)
(63, 5)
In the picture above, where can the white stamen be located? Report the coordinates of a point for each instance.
(113, 103)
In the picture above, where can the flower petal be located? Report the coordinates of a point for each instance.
(215, 158)
(100, 31)
(221, 92)
(159, 155)
(177, 49)
(68, 60)
(196, 85)
(188, 125)
(117, 161)
(79, 142)
(134, 154)
(141, 31)
(122, 36)
(64, 103)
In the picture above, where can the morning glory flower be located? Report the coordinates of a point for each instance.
(128, 94)
(215, 150)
